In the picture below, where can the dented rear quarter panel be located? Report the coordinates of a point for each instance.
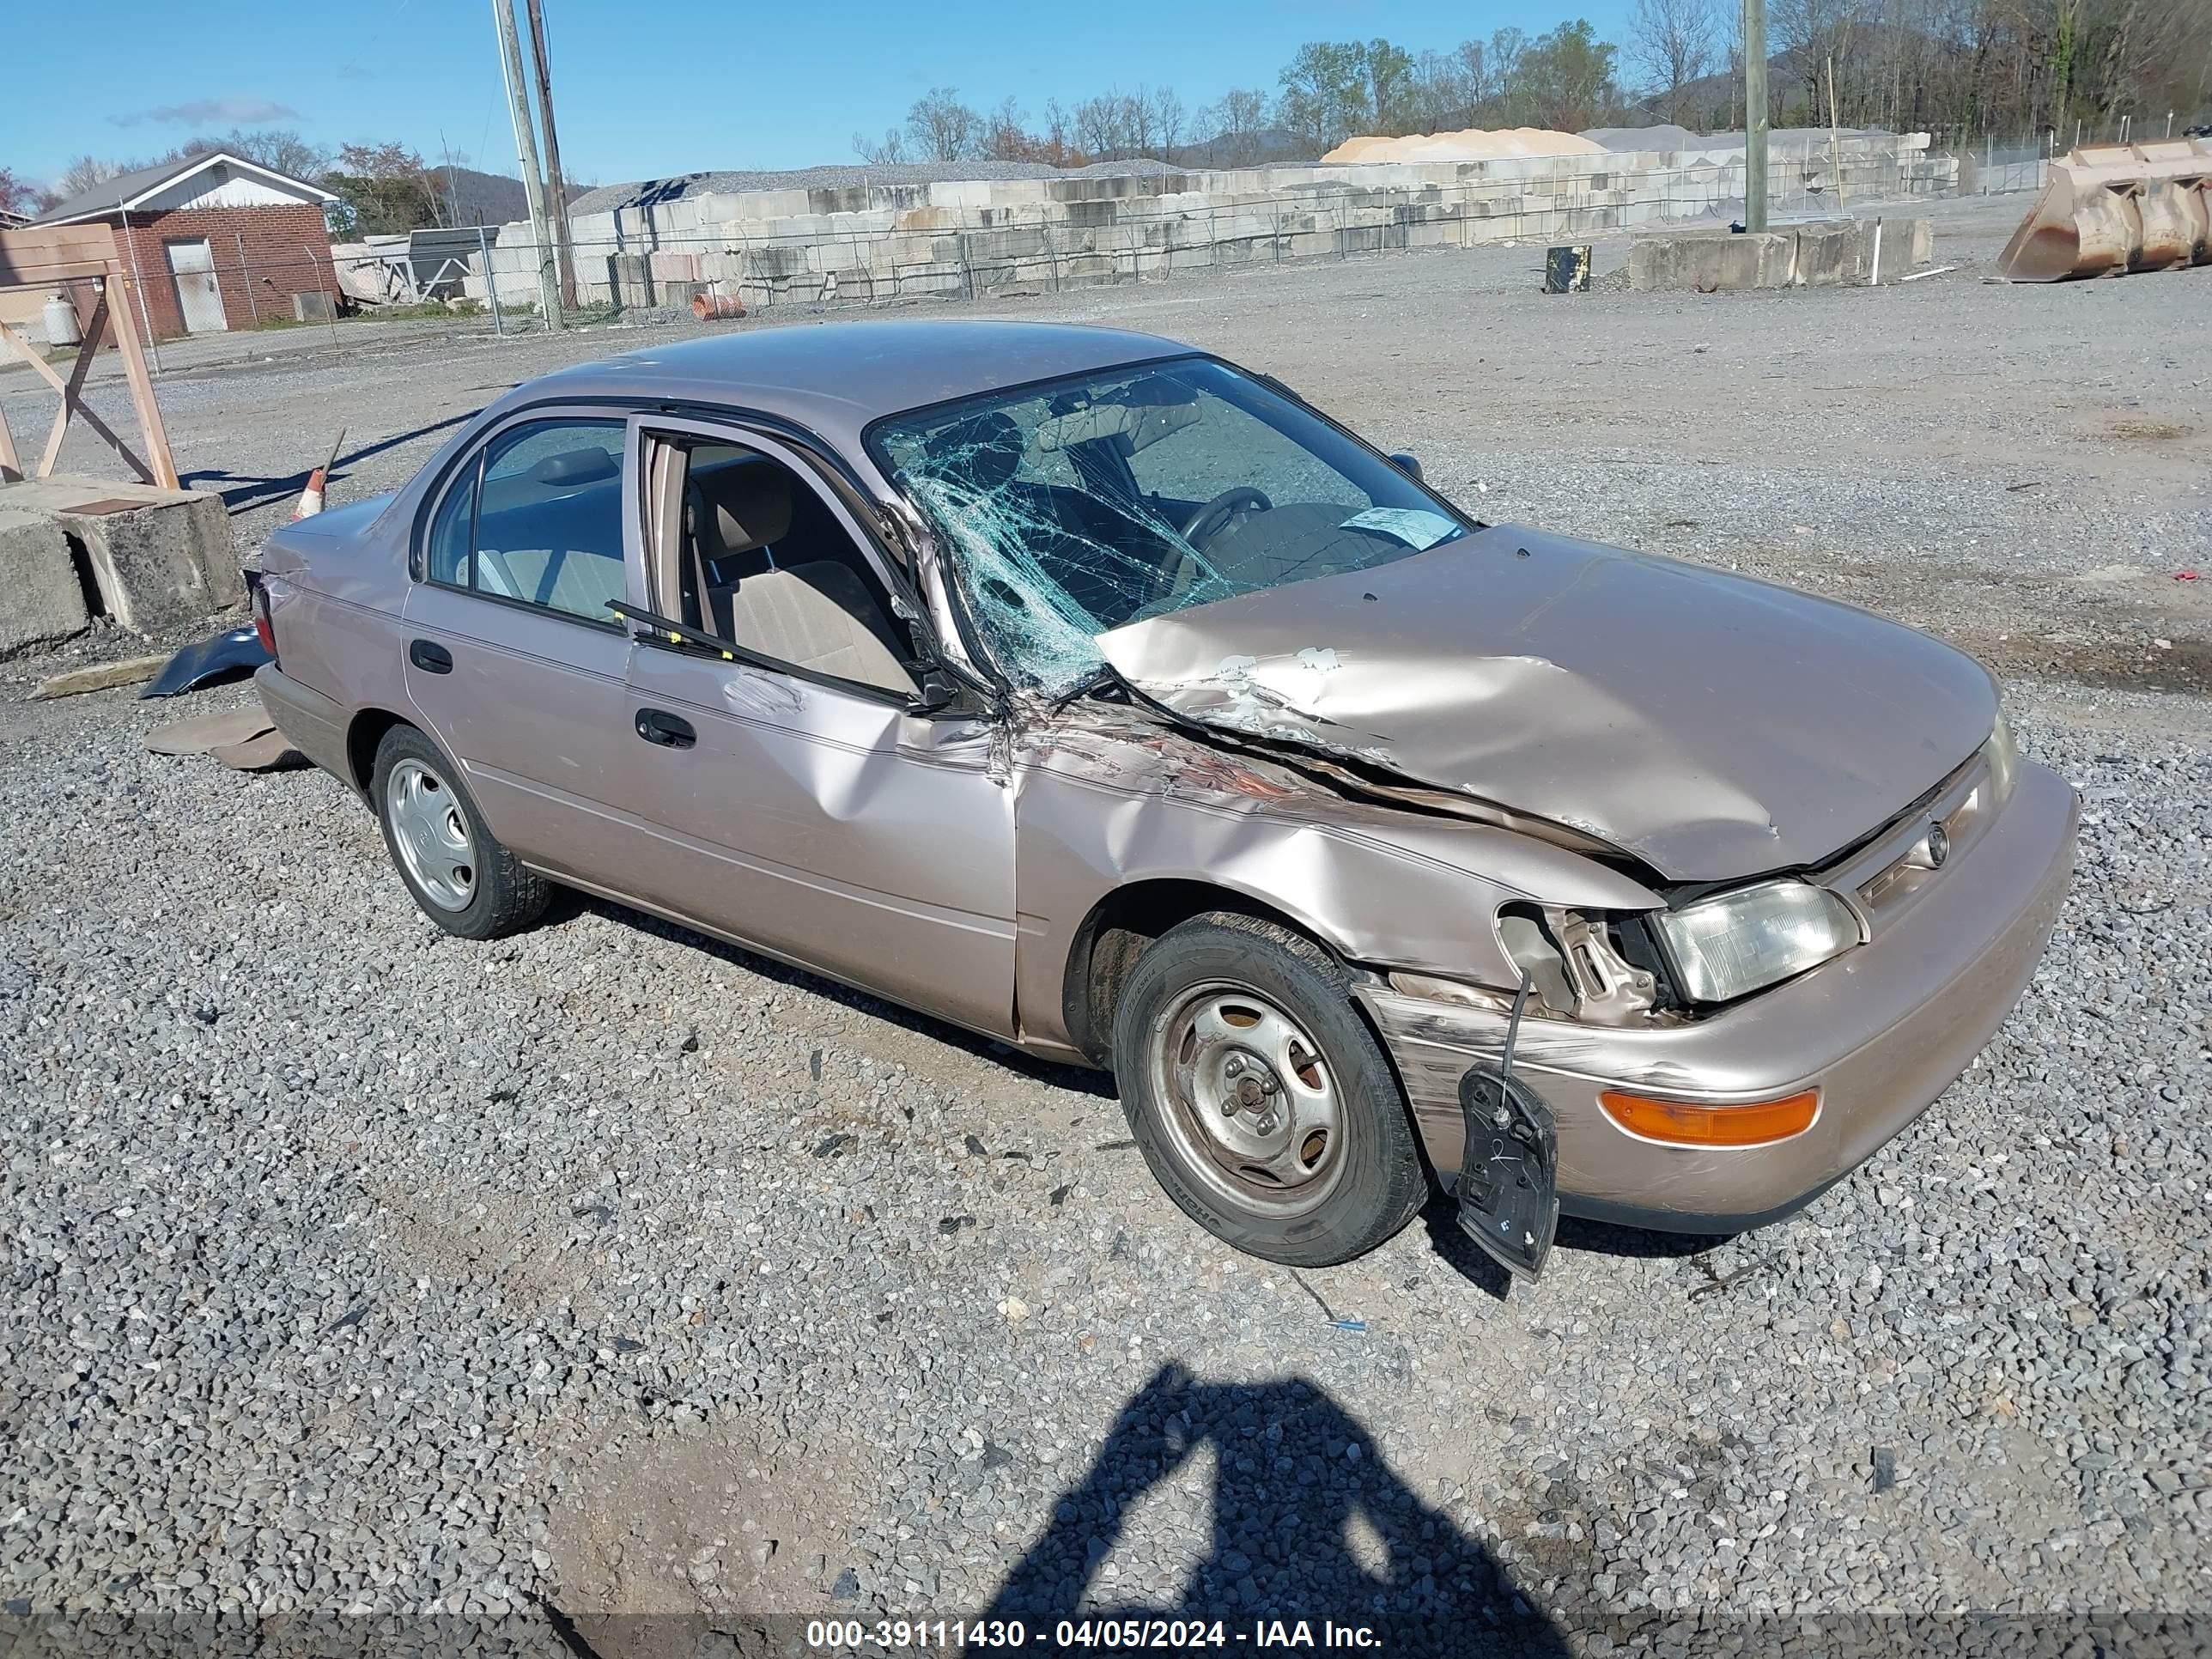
(336, 585)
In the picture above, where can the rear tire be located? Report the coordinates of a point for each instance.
(462, 878)
(1263, 1103)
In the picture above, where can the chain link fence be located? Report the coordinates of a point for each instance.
(630, 265)
(484, 281)
(1998, 166)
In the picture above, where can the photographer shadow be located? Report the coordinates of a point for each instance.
(1310, 1523)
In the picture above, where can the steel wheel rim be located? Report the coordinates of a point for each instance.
(1251, 1100)
(431, 834)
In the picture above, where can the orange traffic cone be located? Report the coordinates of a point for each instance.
(311, 498)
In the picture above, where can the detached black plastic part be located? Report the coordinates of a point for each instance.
(1509, 1197)
(238, 651)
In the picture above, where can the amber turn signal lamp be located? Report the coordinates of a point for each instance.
(1757, 1124)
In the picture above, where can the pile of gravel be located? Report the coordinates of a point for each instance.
(1791, 141)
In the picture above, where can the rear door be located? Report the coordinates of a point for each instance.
(515, 662)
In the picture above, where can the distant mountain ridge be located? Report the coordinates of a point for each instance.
(476, 198)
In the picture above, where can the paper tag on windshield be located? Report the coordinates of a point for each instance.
(1416, 527)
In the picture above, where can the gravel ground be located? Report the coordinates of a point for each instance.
(607, 1273)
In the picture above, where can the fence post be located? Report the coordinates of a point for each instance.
(491, 285)
(252, 304)
(328, 293)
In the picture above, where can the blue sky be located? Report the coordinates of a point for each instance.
(646, 89)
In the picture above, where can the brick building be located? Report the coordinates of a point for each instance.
(213, 242)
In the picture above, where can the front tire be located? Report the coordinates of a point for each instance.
(461, 876)
(1263, 1103)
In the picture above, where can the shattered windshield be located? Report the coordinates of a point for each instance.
(1074, 507)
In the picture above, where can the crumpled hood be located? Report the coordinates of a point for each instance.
(1715, 726)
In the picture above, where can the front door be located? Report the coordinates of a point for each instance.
(804, 805)
(515, 662)
(199, 300)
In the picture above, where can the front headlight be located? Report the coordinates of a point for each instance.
(1728, 945)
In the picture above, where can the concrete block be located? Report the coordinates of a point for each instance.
(1907, 245)
(1827, 255)
(630, 276)
(1709, 262)
(156, 557)
(45, 594)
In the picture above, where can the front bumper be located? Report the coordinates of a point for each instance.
(1880, 1032)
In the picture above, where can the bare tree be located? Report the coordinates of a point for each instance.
(1099, 126)
(1006, 134)
(890, 151)
(943, 129)
(1169, 118)
(18, 196)
(1059, 144)
(84, 171)
(1508, 98)
(1233, 125)
(1447, 86)
(1671, 43)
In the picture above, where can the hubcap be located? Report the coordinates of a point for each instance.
(1251, 1103)
(431, 835)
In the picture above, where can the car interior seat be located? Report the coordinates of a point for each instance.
(776, 573)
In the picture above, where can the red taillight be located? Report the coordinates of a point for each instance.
(261, 620)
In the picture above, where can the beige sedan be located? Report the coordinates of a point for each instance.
(1088, 691)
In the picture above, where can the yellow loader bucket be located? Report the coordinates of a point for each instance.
(2111, 209)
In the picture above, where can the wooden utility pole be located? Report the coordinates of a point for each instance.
(1835, 142)
(1754, 114)
(542, 59)
(526, 150)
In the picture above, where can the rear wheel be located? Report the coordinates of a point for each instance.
(1262, 1103)
(463, 879)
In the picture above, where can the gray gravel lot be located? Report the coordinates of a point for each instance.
(350, 1270)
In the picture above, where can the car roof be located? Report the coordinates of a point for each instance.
(835, 378)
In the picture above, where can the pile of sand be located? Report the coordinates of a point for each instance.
(1475, 144)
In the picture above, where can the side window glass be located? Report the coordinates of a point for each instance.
(548, 518)
(451, 530)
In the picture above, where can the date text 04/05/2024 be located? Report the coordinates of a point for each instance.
(1084, 1635)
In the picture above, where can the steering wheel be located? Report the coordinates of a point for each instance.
(1203, 526)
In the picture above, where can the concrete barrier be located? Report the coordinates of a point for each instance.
(74, 548)
(1823, 254)
(46, 600)
(861, 244)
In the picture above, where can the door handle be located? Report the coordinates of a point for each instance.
(670, 730)
(430, 658)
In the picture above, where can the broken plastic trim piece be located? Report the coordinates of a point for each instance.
(235, 651)
(1508, 1188)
